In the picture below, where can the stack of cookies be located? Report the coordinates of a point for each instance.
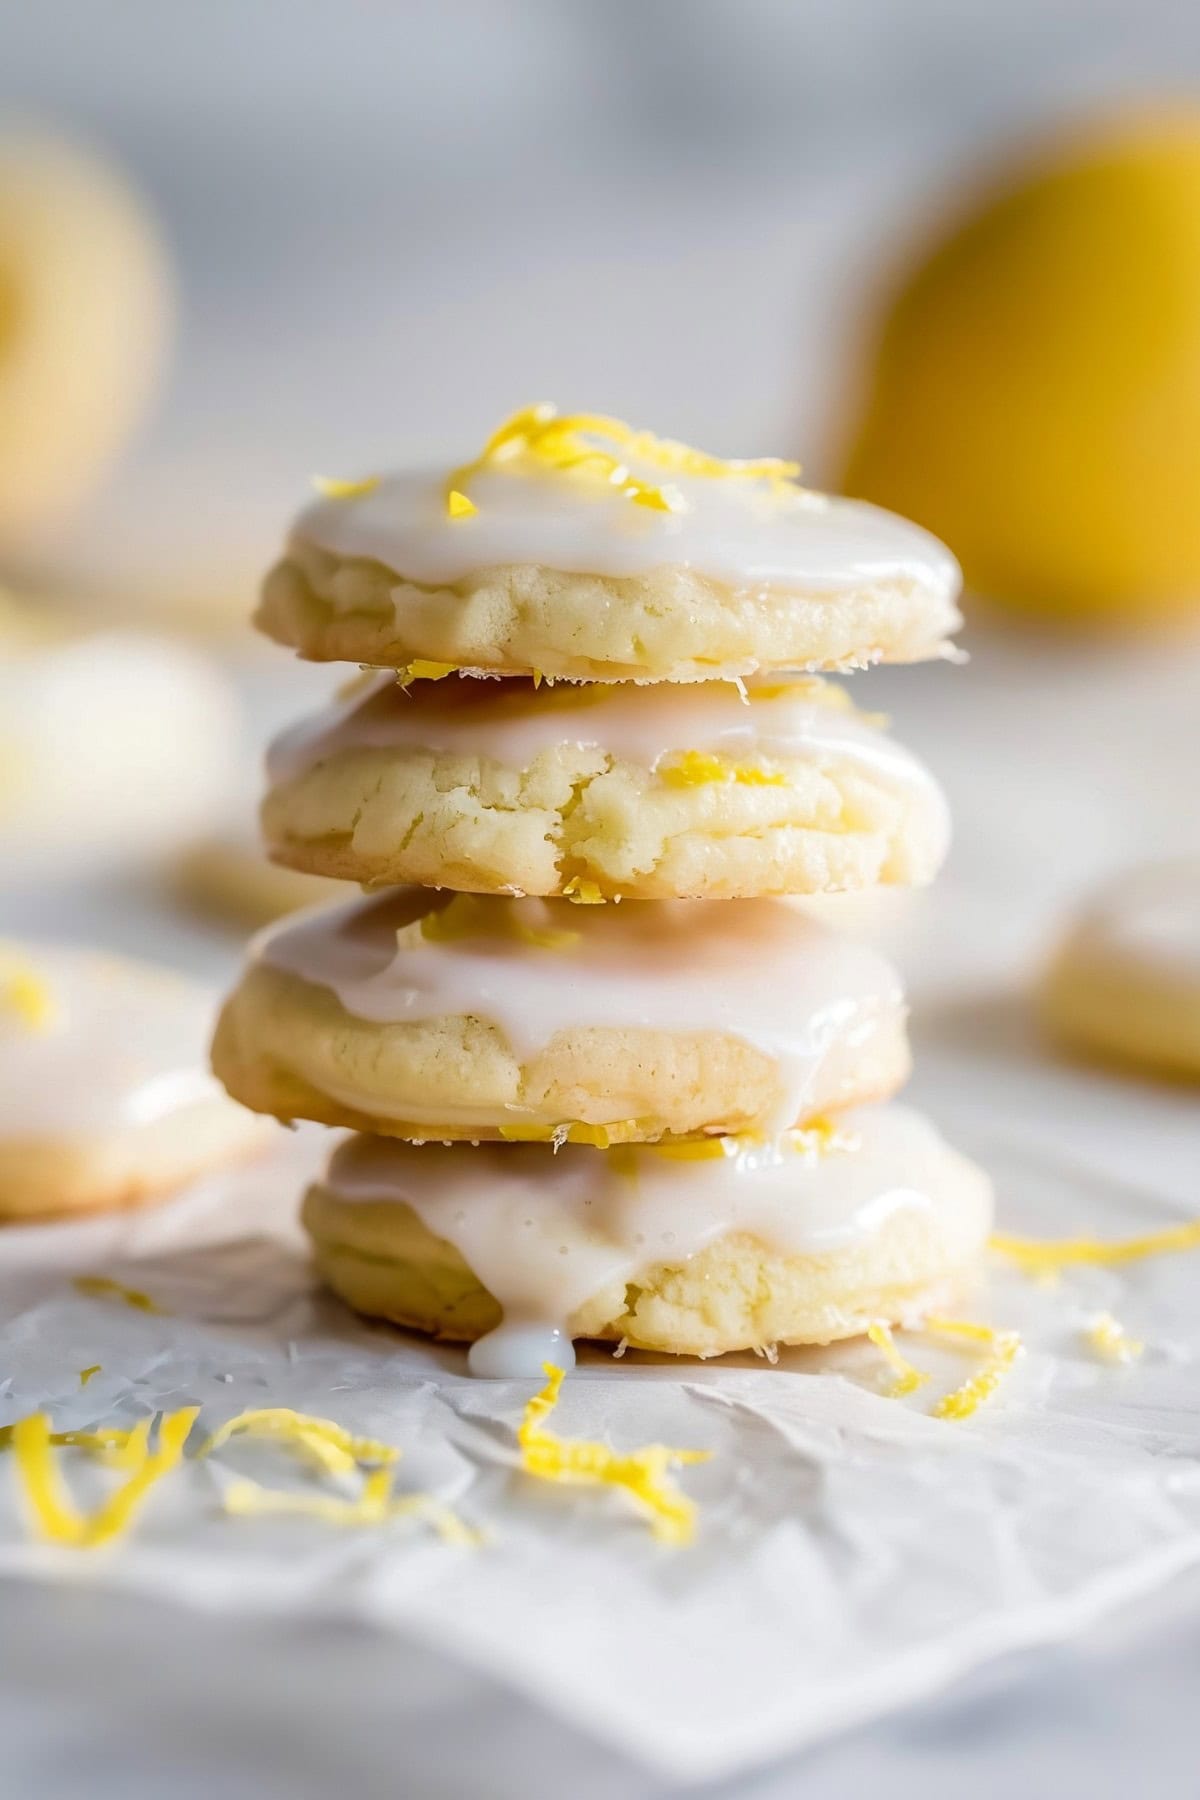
(609, 1077)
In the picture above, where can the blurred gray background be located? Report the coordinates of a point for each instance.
(395, 222)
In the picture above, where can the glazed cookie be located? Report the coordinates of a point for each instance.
(418, 1016)
(105, 1101)
(741, 1247)
(576, 548)
(1125, 982)
(676, 792)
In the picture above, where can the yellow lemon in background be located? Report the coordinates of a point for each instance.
(84, 324)
(1035, 394)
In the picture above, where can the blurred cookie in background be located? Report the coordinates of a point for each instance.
(85, 315)
(1124, 983)
(1034, 394)
(106, 1100)
(227, 878)
(115, 746)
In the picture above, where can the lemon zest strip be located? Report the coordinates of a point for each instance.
(374, 1505)
(698, 768)
(1046, 1256)
(563, 443)
(331, 487)
(424, 670)
(1003, 1348)
(598, 1137)
(114, 1443)
(55, 1513)
(584, 893)
(1110, 1341)
(908, 1378)
(333, 1448)
(643, 1474)
(103, 1287)
(470, 915)
(85, 1375)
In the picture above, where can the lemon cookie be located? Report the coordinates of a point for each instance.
(677, 792)
(418, 1016)
(1125, 982)
(741, 1246)
(104, 1097)
(574, 547)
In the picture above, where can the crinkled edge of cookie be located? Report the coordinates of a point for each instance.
(736, 1294)
(523, 619)
(576, 818)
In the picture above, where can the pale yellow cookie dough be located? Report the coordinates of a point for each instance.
(687, 825)
(1124, 984)
(736, 1294)
(287, 1045)
(672, 624)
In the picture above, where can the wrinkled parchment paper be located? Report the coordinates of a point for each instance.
(853, 1552)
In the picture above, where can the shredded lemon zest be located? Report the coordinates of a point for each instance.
(422, 670)
(698, 768)
(1003, 1348)
(54, 1511)
(85, 1375)
(908, 1378)
(643, 1474)
(328, 1444)
(571, 444)
(599, 1137)
(375, 1504)
(331, 487)
(1110, 1340)
(822, 1136)
(103, 1287)
(1046, 1256)
(819, 1136)
(25, 994)
(121, 1448)
(470, 915)
(584, 893)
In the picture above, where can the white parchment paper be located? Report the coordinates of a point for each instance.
(853, 1552)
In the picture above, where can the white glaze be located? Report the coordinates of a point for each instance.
(546, 1232)
(516, 1348)
(124, 1046)
(742, 533)
(1148, 917)
(512, 722)
(760, 970)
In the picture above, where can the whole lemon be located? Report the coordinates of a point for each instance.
(1035, 394)
(85, 307)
